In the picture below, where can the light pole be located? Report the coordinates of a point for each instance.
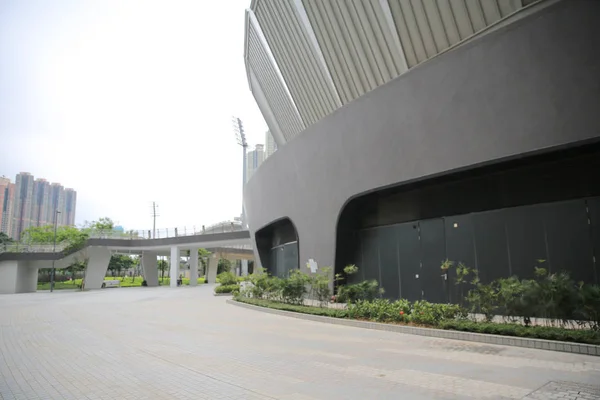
(54, 251)
(240, 135)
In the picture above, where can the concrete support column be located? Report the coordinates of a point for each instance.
(213, 264)
(150, 268)
(27, 278)
(174, 266)
(17, 277)
(193, 267)
(244, 267)
(98, 259)
(8, 276)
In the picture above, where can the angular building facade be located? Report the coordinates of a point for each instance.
(411, 132)
(7, 199)
(23, 204)
(41, 193)
(33, 202)
(254, 159)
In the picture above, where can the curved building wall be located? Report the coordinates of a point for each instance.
(274, 99)
(307, 58)
(529, 87)
(290, 40)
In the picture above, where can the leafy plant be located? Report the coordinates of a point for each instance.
(556, 296)
(423, 312)
(227, 278)
(326, 312)
(227, 288)
(483, 298)
(319, 284)
(350, 269)
(588, 307)
(365, 290)
(512, 299)
(294, 288)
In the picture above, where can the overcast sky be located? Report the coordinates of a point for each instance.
(128, 102)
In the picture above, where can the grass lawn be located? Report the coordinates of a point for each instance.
(125, 282)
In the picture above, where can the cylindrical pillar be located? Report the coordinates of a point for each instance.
(193, 267)
(174, 273)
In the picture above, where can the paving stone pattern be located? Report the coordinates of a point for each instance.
(566, 391)
(185, 343)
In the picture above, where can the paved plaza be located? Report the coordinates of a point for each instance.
(185, 343)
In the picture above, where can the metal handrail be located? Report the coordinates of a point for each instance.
(221, 227)
(17, 247)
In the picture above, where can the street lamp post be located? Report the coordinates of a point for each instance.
(54, 251)
(240, 135)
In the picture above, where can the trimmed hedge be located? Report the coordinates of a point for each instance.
(325, 312)
(534, 332)
(227, 288)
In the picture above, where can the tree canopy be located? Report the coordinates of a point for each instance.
(103, 224)
(68, 235)
(5, 239)
(120, 262)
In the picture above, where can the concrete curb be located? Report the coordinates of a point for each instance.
(222, 294)
(566, 347)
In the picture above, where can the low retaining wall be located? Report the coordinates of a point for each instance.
(567, 347)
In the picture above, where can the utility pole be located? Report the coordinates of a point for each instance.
(54, 251)
(154, 215)
(240, 135)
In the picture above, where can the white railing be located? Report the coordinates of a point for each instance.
(164, 233)
(31, 248)
(221, 227)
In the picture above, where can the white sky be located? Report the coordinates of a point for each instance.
(128, 102)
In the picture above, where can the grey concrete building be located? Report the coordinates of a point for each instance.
(410, 132)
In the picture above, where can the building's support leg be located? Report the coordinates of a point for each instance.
(17, 277)
(213, 265)
(27, 278)
(8, 276)
(98, 259)
(244, 267)
(193, 267)
(150, 268)
(174, 271)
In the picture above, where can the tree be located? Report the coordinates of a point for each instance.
(5, 239)
(70, 236)
(203, 255)
(163, 265)
(103, 224)
(224, 265)
(119, 262)
(77, 266)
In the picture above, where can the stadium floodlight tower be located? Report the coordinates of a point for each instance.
(240, 136)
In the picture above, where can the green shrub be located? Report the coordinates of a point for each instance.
(537, 332)
(263, 286)
(424, 312)
(588, 305)
(483, 298)
(319, 286)
(227, 288)
(227, 278)
(556, 296)
(326, 312)
(366, 290)
(380, 310)
(293, 289)
(443, 316)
